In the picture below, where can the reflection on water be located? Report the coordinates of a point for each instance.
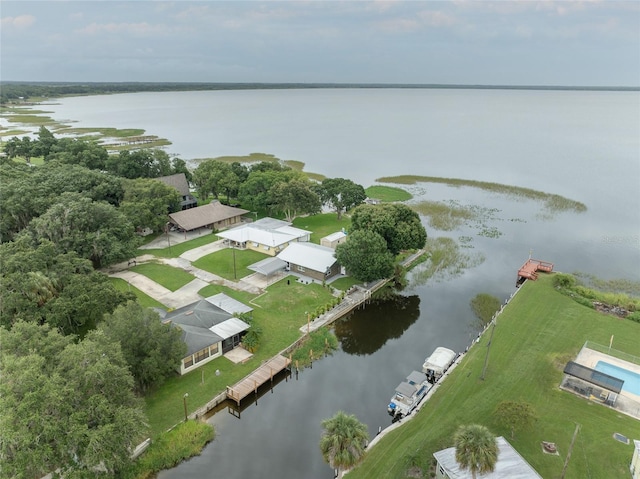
(367, 330)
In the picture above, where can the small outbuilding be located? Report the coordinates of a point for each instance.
(334, 239)
(311, 260)
(510, 464)
(635, 461)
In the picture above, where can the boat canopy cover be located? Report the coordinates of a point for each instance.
(416, 377)
(406, 389)
(440, 359)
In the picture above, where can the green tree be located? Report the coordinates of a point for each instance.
(365, 256)
(46, 141)
(78, 151)
(515, 415)
(293, 198)
(255, 191)
(476, 449)
(94, 229)
(153, 350)
(213, 177)
(147, 202)
(341, 194)
(398, 224)
(343, 441)
(41, 285)
(65, 405)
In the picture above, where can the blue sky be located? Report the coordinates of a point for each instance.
(593, 43)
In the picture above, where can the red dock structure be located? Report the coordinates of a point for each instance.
(530, 269)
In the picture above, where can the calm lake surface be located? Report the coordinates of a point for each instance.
(581, 145)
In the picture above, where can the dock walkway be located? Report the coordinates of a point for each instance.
(253, 381)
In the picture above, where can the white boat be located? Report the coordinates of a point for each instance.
(408, 395)
(438, 363)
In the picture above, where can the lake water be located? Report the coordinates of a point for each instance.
(581, 145)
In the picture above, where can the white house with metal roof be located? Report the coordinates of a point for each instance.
(510, 464)
(267, 235)
(311, 260)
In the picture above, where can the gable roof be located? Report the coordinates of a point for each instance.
(178, 181)
(267, 231)
(338, 235)
(309, 255)
(205, 215)
(228, 304)
(510, 464)
(268, 266)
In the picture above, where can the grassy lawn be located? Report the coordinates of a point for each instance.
(213, 289)
(345, 283)
(535, 337)
(144, 299)
(388, 193)
(229, 263)
(177, 249)
(280, 313)
(165, 275)
(322, 225)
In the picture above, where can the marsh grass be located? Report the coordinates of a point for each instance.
(110, 132)
(448, 216)
(170, 448)
(250, 158)
(31, 119)
(446, 261)
(318, 344)
(552, 203)
(387, 193)
(12, 133)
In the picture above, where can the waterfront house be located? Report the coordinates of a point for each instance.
(214, 216)
(510, 464)
(267, 235)
(180, 183)
(311, 260)
(209, 328)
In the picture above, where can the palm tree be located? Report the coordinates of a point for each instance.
(476, 449)
(343, 441)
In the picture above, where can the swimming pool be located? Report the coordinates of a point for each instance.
(631, 379)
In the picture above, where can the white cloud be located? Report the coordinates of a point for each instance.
(142, 28)
(19, 22)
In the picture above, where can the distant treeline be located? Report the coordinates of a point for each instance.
(13, 91)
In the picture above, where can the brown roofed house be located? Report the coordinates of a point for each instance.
(215, 216)
(180, 183)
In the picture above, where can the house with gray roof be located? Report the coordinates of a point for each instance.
(180, 183)
(207, 329)
(510, 464)
(311, 260)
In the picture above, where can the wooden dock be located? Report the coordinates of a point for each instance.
(530, 269)
(257, 378)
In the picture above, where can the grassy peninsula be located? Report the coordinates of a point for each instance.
(538, 332)
(551, 202)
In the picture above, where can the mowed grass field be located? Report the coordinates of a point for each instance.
(534, 338)
(280, 312)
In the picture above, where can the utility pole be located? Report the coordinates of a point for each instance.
(566, 461)
(486, 358)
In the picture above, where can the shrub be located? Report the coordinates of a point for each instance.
(561, 280)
